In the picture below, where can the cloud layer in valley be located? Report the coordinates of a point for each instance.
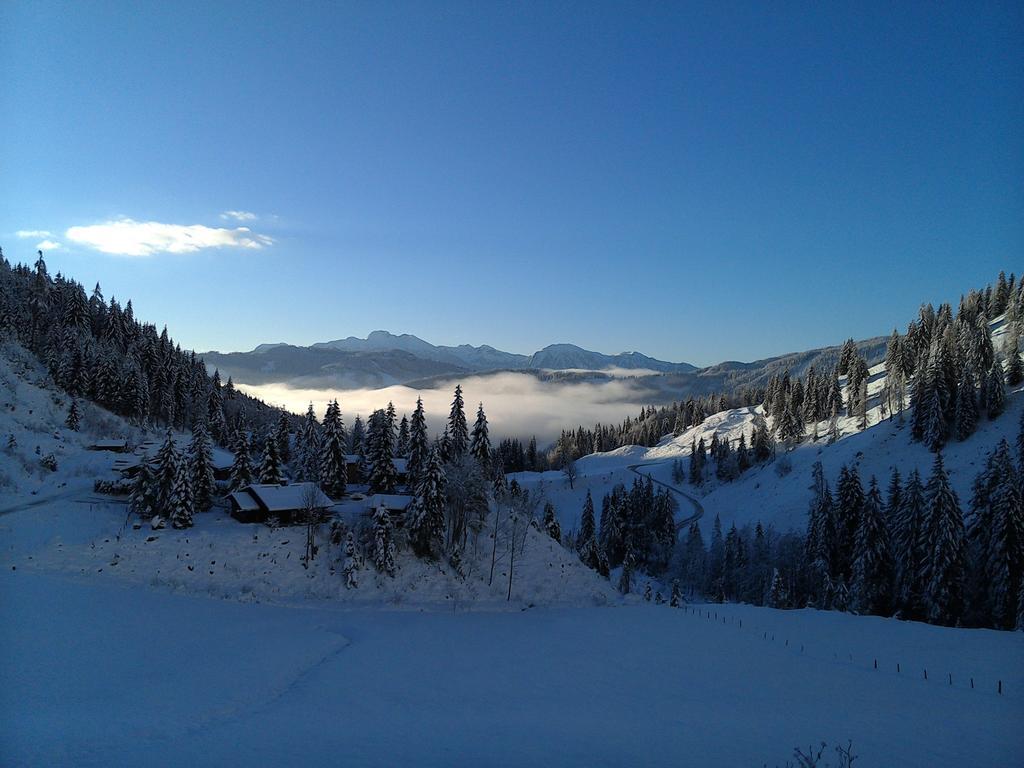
(516, 404)
(127, 237)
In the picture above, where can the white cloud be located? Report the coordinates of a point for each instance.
(48, 245)
(25, 234)
(126, 237)
(239, 216)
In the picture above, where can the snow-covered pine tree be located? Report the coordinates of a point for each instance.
(402, 445)
(383, 542)
(588, 529)
(1003, 557)
(74, 420)
(965, 419)
(550, 523)
(911, 547)
(776, 597)
(850, 505)
(283, 436)
(873, 571)
(145, 493)
(419, 448)
(426, 523)
(383, 475)
(333, 467)
(458, 430)
(480, 442)
(200, 468)
(820, 542)
(241, 465)
(1014, 368)
(308, 447)
(676, 598)
(270, 465)
(995, 391)
(626, 577)
(353, 563)
(167, 460)
(179, 502)
(945, 566)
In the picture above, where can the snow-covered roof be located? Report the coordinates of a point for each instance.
(245, 501)
(284, 498)
(392, 501)
(401, 465)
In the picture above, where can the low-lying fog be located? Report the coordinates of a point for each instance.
(517, 404)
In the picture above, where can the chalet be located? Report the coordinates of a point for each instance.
(258, 503)
(114, 445)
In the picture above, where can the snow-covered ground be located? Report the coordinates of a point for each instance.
(100, 673)
(214, 645)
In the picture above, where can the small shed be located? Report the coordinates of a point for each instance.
(353, 468)
(256, 503)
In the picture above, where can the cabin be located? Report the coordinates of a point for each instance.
(257, 503)
(114, 445)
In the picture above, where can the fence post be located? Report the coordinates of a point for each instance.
(926, 674)
(897, 667)
(876, 663)
(950, 678)
(1000, 687)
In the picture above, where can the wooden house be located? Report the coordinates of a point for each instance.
(257, 503)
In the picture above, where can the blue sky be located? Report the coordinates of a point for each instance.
(696, 182)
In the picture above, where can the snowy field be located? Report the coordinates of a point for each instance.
(99, 674)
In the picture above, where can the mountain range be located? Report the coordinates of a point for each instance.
(383, 359)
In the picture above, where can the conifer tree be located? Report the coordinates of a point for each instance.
(458, 430)
(426, 525)
(1001, 559)
(550, 523)
(821, 535)
(241, 465)
(383, 542)
(480, 442)
(1014, 368)
(850, 501)
(383, 475)
(995, 391)
(283, 438)
(167, 460)
(352, 563)
(270, 466)
(872, 582)
(965, 419)
(944, 573)
(179, 502)
(419, 449)
(626, 577)
(402, 446)
(333, 465)
(676, 598)
(911, 547)
(73, 420)
(200, 468)
(587, 524)
(145, 494)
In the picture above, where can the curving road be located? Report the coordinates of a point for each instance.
(698, 508)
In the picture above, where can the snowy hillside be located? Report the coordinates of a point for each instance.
(763, 493)
(53, 521)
